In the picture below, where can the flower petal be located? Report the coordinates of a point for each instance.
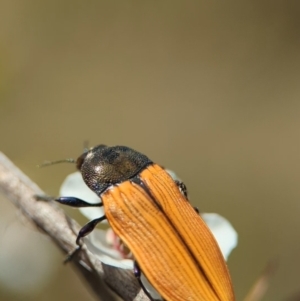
(223, 231)
(172, 174)
(97, 244)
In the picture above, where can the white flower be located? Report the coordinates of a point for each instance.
(109, 248)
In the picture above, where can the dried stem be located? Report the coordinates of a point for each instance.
(261, 285)
(49, 218)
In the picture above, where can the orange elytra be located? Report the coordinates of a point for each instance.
(151, 214)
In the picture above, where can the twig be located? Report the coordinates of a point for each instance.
(49, 218)
(262, 283)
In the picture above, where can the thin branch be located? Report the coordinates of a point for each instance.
(49, 218)
(261, 285)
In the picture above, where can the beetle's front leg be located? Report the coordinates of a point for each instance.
(84, 231)
(68, 200)
(78, 203)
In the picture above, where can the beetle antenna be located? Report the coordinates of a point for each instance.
(86, 146)
(48, 163)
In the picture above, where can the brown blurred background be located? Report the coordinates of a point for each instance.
(210, 90)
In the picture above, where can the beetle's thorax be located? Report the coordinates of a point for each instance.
(103, 166)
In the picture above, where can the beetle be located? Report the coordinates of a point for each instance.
(151, 214)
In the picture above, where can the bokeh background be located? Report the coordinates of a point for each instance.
(209, 89)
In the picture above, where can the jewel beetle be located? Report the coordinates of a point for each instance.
(151, 214)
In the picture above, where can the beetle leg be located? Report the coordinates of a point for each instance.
(68, 200)
(137, 273)
(75, 202)
(182, 188)
(197, 210)
(136, 269)
(84, 231)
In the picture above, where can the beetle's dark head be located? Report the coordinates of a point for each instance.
(103, 166)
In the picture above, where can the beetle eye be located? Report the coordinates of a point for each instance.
(80, 160)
